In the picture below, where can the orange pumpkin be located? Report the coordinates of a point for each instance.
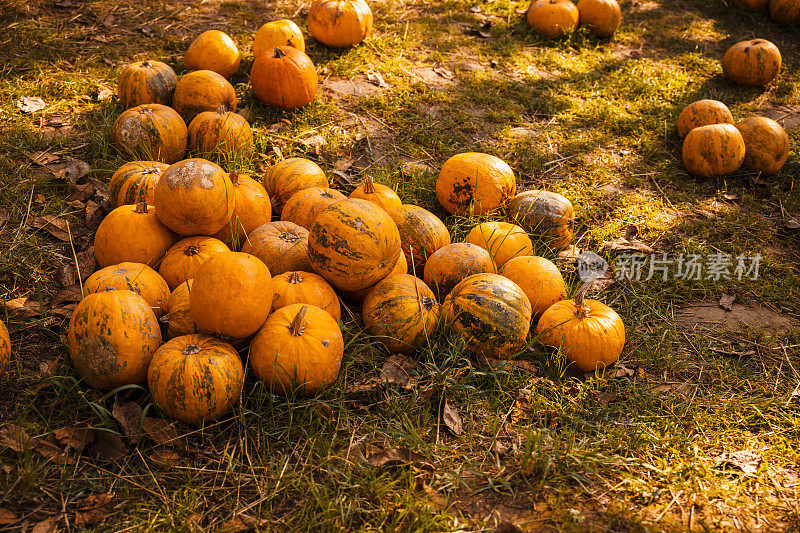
(402, 312)
(231, 295)
(547, 216)
(450, 264)
(5, 348)
(252, 208)
(132, 233)
(353, 244)
(150, 131)
(288, 176)
(475, 183)
(112, 336)
(305, 205)
(185, 258)
(284, 78)
(766, 144)
(213, 50)
(785, 11)
(297, 287)
(421, 233)
(601, 16)
(553, 18)
(179, 316)
(713, 150)
(220, 134)
(401, 267)
(146, 82)
(754, 5)
(202, 90)
(383, 196)
(135, 182)
(502, 240)
(754, 63)
(299, 346)
(538, 278)
(194, 197)
(703, 113)
(134, 277)
(277, 33)
(281, 245)
(340, 23)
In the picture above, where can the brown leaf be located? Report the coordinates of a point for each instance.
(475, 9)
(166, 457)
(625, 244)
(57, 227)
(71, 293)
(726, 301)
(93, 214)
(452, 419)
(42, 157)
(48, 368)
(94, 509)
(76, 438)
(484, 30)
(107, 447)
(569, 254)
(443, 72)
(398, 457)
(4, 216)
(30, 104)
(102, 92)
(24, 306)
(313, 142)
(100, 189)
(53, 452)
(163, 432)
(68, 274)
(621, 371)
(244, 111)
(64, 310)
(147, 30)
(48, 525)
(507, 527)
(731, 196)
(324, 411)
(604, 398)
(342, 164)
(399, 370)
(242, 522)
(7, 517)
(791, 224)
(129, 415)
(106, 20)
(61, 167)
(63, 3)
(14, 437)
(82, 192)
(375, 78)
(747, 462)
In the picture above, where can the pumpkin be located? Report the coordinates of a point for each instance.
(713, 150)
(401, 267)
(474, 183)
(305, 205)
(231, 295)
(146, 82)
(150, 131)
(502, 240)
(281, 245)
(185, 258)
(402, 312)
(703, 113)
(284, 78)
(547, 216)
(288, 176)
(339, 23)
(421, 233)
(766, 144)
(298, 346)
(5, 348)
(450, 264)
(213, 50)
(297, 287)
(135, 182)
(383, 196)
(785, 11)
(202, 90)
(553, 18)
(538, 278)
(132, 233)
(194, 197)
(135, 277)
(754, 5)
(601, 16)
(277, 33)
(754, 63)
(252, 208)
(225, 135)
(353, 244)
(590, 333)
(112, 336)
(179, 317)
(491, 313)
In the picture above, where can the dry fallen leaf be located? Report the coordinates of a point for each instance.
(443, 72)
(398, 457)
(129, 416)
(30, 104)
(726, 301)
(242, 522)
(76, 438)
(621, 371)
(67, 273)
(163, 432)
(106, 20)
(376, 78)
(48, 368)
(747, 462)
(791, 224)
(14, 437)
(57, 227)
(452, 419)
(71, 293)
(24, 306)
(399, 370)
(147, 30)
(4, 216)
(48, 525)
(628, 243)
(82, 192)
(102, 92)
(94, 509)
(166, 457)
(107, 447)
(7, 517)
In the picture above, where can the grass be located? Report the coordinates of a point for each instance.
(592, 120)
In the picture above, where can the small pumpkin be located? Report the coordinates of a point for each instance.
(305, 205)
(135, 182)
(281, 245)
(231, 295)
(194, 197)
(401, 267)
(299, 345)
(754, 63)
(146, 82)
(213, 50)
(112, 336)
(547, 216)
(284, 78)
(402, 312)
(297, 287)
(185, 258)
(195, 378)
(713, 150)
(179, 316)
(151, 131)
(754, 5)
(703, 113)
(135, 277)
(502, 240)
(5, 348)
(450, 264)
(421, 233)
(475, 183)
(288, 176)
(277, 33)
(340, 23)
(601, 16)
(553, 18)
(220, 134)
(766, 144)
(252, 208)
(132, 233)
(590, 333)
(538, 278)
(202, 90)
(385, 197)
(785, 11)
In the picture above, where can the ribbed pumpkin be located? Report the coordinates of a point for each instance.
(194, 197)
(221, 135)
(284, 78)
(703, 113)
(305, 205)
(288, 176)
(476, 183)
(135, 182)
(766, 144)
(590, 333)
(277, 33)
(298, 346)
(213, 50)
(402, 312)
(601, 16)
(112, 336)
(297, 287)
(754, 63)
(754, 5)
(491, 313)
(146, 82)
(421, 233)
(553, 18)
(340, 23)
(182, 261)
(713, 150)
(231, 295)
(401, 267)
(383, 196)
(538, 278)
(151, 131)
(179, 316)
(547, 216)
(451, 264)
(134, 277)
(202, 90)
(353, 244)
(132, 233)
(785, 11)
(502, 240)
(281, 245)
(251, 209)
(5, 348)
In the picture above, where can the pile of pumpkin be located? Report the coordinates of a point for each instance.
(781, 11)
(556, 18)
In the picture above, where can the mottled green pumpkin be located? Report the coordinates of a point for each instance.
(5, 348)
(548, 217)
(135, 182)
(150, 131)
(146, 82)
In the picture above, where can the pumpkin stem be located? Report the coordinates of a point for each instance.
(427, 302)
(146, 64)
(234, 176)
(295, 277)
(191, 250)
(141, 208)
(296, 327)
(289, 237)
(279, 53)
(581, 309)
(151, 170)
(221, 110)
(369, 185)
(191, 349)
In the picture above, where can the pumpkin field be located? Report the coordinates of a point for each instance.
(399, 265)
